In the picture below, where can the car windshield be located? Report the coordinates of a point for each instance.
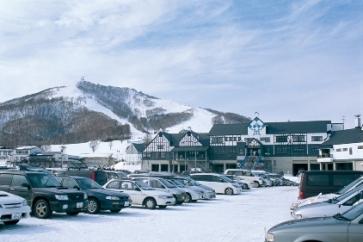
(348, 187)
(40, 180)
(226, 179)
(354, 212)
(178, 182)
(143, 185)
(345, 195)
(167, 183)
(86, 183)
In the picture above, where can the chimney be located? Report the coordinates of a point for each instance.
(358, 121)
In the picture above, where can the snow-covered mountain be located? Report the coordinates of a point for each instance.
(90, 111)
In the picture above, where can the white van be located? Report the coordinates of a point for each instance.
(220, 183)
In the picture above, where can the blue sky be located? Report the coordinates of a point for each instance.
(287, 60)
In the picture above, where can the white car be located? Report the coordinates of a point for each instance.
(246, 175)
(192, 194)
(325, 197)
(12, 208)
(221, 184)
(141, 194)
(331, 207)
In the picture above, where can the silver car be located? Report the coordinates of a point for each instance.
(347, 227)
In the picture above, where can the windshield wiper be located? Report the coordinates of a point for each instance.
(340, 217)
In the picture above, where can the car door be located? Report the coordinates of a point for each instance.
(355, 230)
(5, 181)
(21, 187)
(129, 188)
(69, 182)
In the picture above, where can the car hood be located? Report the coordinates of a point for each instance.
(318, 223)
(9, 198)
(105, 192)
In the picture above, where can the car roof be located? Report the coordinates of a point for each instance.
(210, 174)
(22, 172)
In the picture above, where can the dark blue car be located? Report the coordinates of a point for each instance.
(99, 199)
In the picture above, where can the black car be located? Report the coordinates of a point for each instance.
(314, 182)
(43, 192)
(98, 197)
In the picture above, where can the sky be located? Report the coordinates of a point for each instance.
(286, 60)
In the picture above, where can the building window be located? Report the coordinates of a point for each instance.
(234, 138)
(225, 138)
(217, 140)
(266, 139)
(239, 139)
(338, 150)
(350, 151)
(316, 138)
(160, 147)
(298, 138)
(345, 149)
(360, 147)
(281, 139)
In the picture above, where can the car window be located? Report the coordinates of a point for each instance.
(354, 212)
(318, 180)
(127, 186)
(353, 200)
(113, 185)
(5, 179)
(351, 185)
(18, 181)
(156, 184)
(69, 182)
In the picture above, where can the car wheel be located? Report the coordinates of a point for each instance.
(188, 198)
(93, 206)
(41, 209)
(162, 206)
(228, 191)
(13, 222)
(72, 213)
(256, 184)
(150, 203)
(115, 210)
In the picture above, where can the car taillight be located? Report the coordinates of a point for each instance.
(93, 175)
(301, 195)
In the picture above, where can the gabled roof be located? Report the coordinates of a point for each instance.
(139, 147)
(346, 136)
(320, 126)
(229, 129)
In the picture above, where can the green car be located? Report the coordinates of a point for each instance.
(346, 227)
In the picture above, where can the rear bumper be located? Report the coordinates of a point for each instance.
(114, 204)
(14, 213)
(166, 202)
(209, 195)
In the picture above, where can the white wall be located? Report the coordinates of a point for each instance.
(345, 155)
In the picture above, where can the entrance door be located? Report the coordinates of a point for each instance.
(296, 168)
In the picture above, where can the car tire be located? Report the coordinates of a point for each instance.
(162, 206)
(13, 222)
(72, 213)
(188, 198)
(115, 210)
(150, 203)
(256, 184)
(93, 206)
(228, 191)
(41, 209)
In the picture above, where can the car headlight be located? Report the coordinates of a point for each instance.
(270, 237)
(61, 197)
(25, 203)
(85, 196)
(112, 198)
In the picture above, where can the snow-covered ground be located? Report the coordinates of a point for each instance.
(228, 218)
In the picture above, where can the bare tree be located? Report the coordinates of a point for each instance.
(94, 145)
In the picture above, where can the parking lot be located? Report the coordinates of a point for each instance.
(227, 218)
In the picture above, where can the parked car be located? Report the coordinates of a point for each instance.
(207, 192)
(263, 175)
(331, 207)
(313, 183)
(346, 227)
(221, 184)
(163, 185)
(12, 208)
(325, 197)
(43, 192)
(254, 181)
(98, 175)
(142, 194)
(99, 199)
(240, 181)
(191, 194)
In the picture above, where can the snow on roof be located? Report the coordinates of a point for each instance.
(26, 147)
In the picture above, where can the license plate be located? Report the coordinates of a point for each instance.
(126, 204)
(16, 216)
(79, 205)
